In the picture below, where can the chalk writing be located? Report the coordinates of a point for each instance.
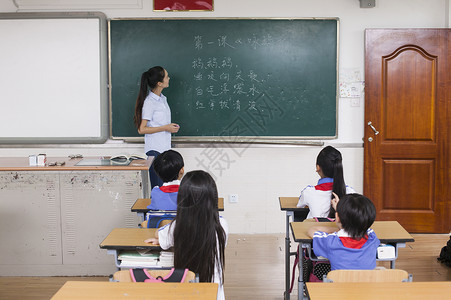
(252, 41)
(223, 84)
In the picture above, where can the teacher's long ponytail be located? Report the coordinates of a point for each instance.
(149, 80)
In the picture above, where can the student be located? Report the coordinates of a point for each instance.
(198, 234)
(354, 245)
(169, 167)
(153, 116)
(318, 198)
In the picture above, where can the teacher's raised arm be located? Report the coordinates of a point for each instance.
(153, 116)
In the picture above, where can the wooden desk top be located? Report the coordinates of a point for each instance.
(22, 164)
(289, 204)
(136, 290)
(386, 231)
(379, 290)
(140, 205)
(129, 239)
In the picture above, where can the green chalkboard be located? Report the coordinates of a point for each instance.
(230, 77)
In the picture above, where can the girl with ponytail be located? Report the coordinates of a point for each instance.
(153, 116)
(318, 198)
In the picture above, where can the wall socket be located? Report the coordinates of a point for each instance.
(233, 198)
(355, 102)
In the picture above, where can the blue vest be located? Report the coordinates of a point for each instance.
(162, 200)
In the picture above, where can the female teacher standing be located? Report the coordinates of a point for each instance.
(153, 116)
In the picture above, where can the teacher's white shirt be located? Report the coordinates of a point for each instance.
(157, 113)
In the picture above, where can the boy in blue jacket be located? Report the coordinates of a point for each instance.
(169, 166)
(354, 245)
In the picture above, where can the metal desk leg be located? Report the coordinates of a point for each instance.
(145, 183)
(397, 246)
(142, 216)
(392, 264)
(287, 257)
(301, 284)
(116, 260)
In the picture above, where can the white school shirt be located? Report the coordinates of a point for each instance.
(157, 113)
(166, 240)
(317, 200)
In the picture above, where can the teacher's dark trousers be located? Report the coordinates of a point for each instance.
(154, 179)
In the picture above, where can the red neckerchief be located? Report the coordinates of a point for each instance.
(327, 186)
(170, 188)
(352, 243)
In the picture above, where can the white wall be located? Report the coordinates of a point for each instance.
(260, 174)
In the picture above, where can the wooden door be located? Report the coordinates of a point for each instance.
(407, 99)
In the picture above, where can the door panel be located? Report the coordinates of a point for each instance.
(398, 196)
(407, 89)
(409, 73)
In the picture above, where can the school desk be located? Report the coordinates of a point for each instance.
(140, 206)
(379, 290)
(55, 214)
(388, 232)
(136, 290)
(128, 239)
(288, 204)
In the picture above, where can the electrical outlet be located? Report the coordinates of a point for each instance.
(355, 102)
(233, 198)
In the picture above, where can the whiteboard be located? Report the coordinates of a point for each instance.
(53, 85)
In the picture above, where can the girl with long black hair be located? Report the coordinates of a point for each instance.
(198, 234)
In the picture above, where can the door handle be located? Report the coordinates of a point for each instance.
(372, 127)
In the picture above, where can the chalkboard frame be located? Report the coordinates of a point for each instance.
(301, 140)
(103, 77)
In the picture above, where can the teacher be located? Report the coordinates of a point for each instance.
(153, 116)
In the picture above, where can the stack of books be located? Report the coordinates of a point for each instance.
(166, 259)
(139, 259)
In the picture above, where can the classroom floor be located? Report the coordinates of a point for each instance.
(255, 268)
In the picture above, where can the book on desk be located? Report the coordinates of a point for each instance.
(116, 160)
(126, 156)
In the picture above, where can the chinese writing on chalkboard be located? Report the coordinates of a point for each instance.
(220, 82)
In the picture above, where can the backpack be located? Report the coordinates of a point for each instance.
(445, 254)
(313, 271)
(175, 275)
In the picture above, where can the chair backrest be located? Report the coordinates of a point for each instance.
(124, 275)
(377, 275)
(162, 223)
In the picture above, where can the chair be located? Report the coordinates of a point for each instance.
(377, 275)
(124, 275)
(162, 223)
